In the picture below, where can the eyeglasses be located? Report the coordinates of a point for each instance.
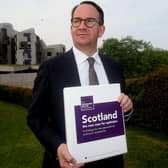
(89, 22)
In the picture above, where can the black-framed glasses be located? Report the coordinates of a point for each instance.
(89, 22)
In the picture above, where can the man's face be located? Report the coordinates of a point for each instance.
(84, 36)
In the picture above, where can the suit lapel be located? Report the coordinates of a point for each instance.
(71, 71)
(108, 69)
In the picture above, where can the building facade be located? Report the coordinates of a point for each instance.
(54, 50)
(24, 48)
(7, 44)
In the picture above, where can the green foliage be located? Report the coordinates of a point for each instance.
(156, 99)
(17, 95)
(138, 57)
(150, 97)
(135, 89)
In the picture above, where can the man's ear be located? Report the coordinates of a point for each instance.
(101, 30)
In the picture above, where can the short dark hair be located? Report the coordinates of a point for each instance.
(96, 6)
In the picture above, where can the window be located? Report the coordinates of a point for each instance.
(49, 54)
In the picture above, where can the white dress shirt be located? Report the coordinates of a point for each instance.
(83, 70)
(83, 67)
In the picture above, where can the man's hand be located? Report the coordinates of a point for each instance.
(65, 158)
(125, 102)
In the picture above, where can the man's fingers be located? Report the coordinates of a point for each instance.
(125, 102)
(65, 158)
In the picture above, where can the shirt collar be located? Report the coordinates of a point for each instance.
(80, 57)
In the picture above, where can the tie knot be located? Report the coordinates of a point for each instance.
(91, 61)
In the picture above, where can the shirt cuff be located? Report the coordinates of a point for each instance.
(128, 115)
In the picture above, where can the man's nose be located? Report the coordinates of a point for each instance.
(82, 24)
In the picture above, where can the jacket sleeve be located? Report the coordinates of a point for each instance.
(38, 114)
(128, 114)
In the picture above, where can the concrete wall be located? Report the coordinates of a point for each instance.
(22, 55)
(25, 80)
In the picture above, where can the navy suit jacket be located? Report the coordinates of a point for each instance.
(46, 112)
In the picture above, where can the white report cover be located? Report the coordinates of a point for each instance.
(94, 122)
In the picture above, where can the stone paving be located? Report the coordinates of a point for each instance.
(25, 80)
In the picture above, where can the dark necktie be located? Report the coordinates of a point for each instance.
(93, 80)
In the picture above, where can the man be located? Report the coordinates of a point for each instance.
(46, 112)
